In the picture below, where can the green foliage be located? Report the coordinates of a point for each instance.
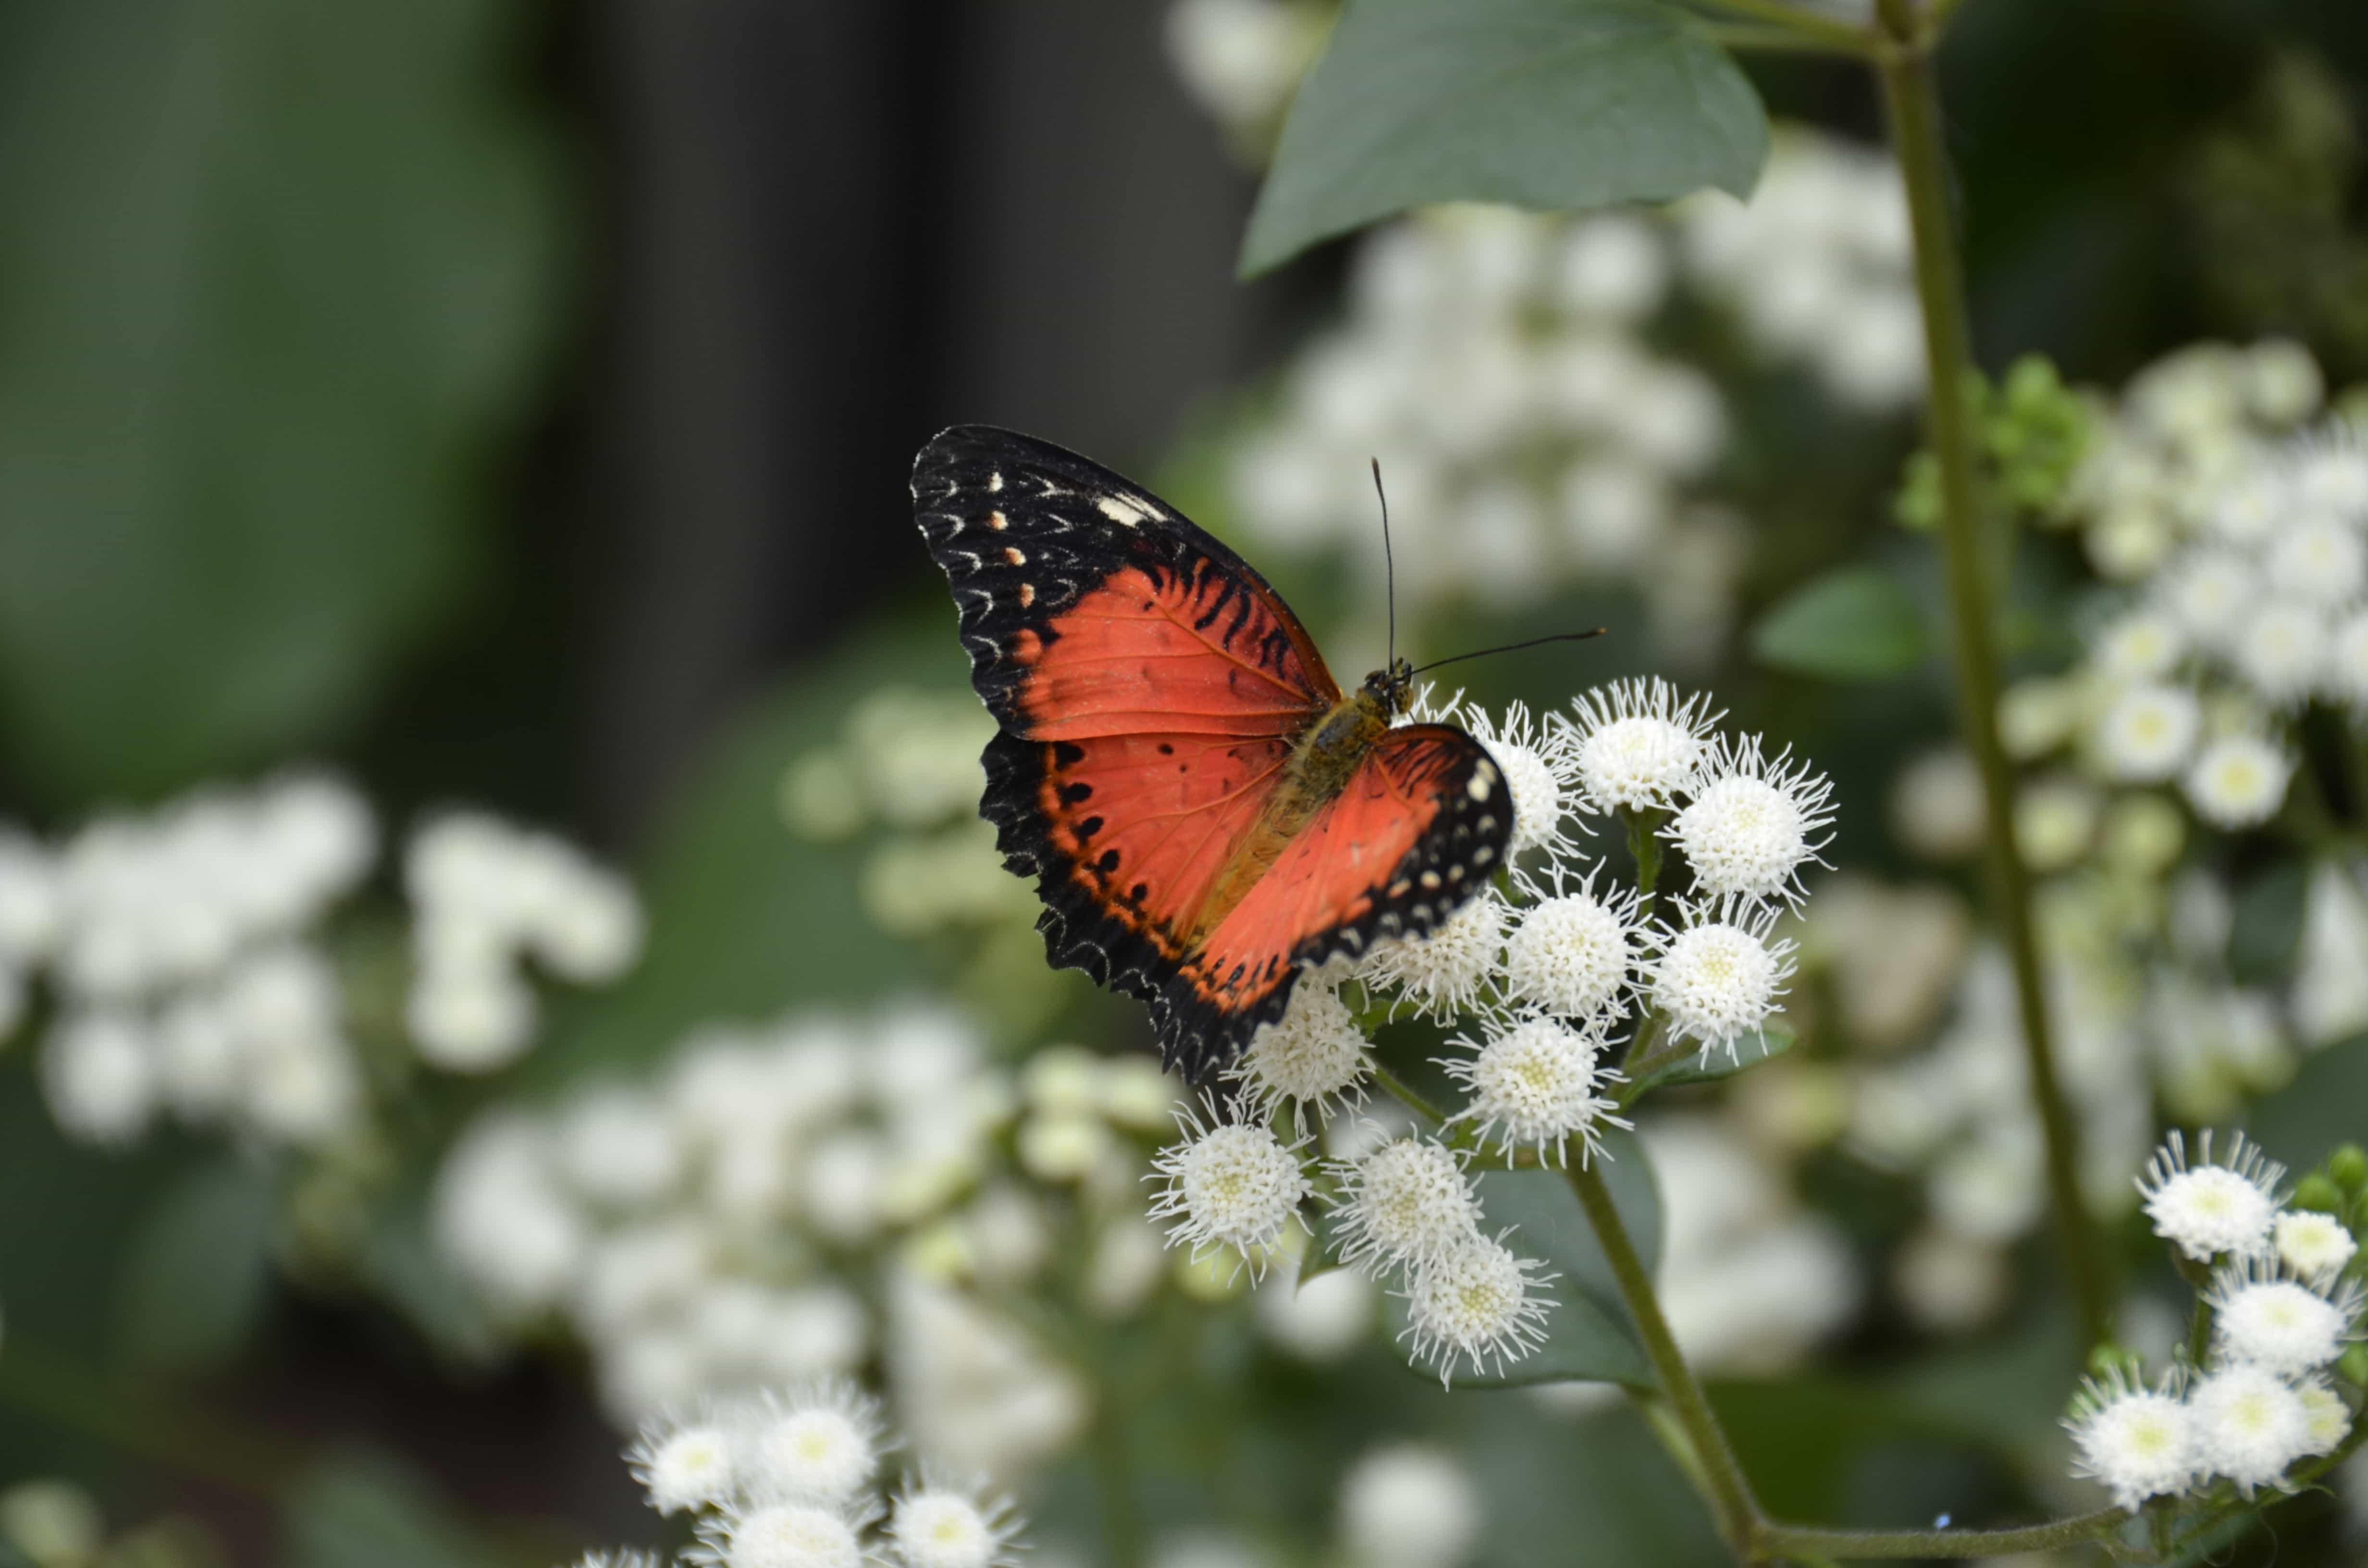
(197, 1270)
(2266, 928)
(1539, 103)
(276, 273)
(2031, 432)
(1710, 1066)
(745, 918)
(1855, 623)
(368, 1512)
(1588, 1336)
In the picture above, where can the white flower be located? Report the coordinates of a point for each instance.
(1444, 973)
(99, 1074)
(1535, 1084)
(1408, 1505)
(2314, 1245)
(2208, 594)
(471, 1019)
(2281, 650)
(2249, 510)
(2212, 1207)
(685, 1465)
(2319, 560)
(1612, 265)
(2141, 645)
(783, 1535)
(1717, 979)
(1320, 1319)
(2330, 1418)
(819, 1445)
(1229, 1183)
(1638, 744)
(619, 1148)
(1541, 771)
(2249, 1424)
(1752, 823)
(2263, 1318)
(1405, 1202)
(1310, 1055)
(2347, 660)
(1572, 952)
(2238, 781)
(2328, 471)
(2135, 1440)
(2148, 733)
(935, 1525)
(1475, 1303)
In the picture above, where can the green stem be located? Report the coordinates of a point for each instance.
(1407, 1095)
(1779, 1539)
(1124, 1540)
(1912, 95)
(1645, 848)
(1736, 1511)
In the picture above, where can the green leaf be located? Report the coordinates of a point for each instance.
(277, 275)
(1588, 1336)
(1539, 103)
(1708, 1067)
(1852, 624)
(2265, 925)
(197, 1270)
(369, 1512)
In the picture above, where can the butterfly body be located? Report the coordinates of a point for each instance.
(1205, 811)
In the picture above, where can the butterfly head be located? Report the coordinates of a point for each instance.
(1391, 688)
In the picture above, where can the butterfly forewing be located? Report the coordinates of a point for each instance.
(1152, 688)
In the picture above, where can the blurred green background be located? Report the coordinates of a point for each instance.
(512, 402)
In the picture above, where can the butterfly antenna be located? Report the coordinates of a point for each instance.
(1389, 563)
(1513, 647)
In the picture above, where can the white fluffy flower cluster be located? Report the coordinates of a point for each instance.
(1533, 434)
(1819, 266)
(1544, 969)
(724, 1222)
(487, 896)
(791, 1479)
(2283, 1304)
(177, 947)
(1960, 1115)
(2243, 540)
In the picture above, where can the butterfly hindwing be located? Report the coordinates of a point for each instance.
(1422, 826)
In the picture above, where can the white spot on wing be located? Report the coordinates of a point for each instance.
(1125, 510)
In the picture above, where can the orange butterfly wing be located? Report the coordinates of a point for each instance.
(1421, 826)
(1151, 688)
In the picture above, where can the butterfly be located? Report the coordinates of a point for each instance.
(1205, 813)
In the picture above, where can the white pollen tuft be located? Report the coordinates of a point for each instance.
(1228, 1185)
(2249, 1424)
(1717, 977)
(2212, 1207)
(1753, 822)
(1535, 1084)
(1475, 1304)
(2238, 781)
(1638, 745)
(1311, 1056)
(2137, 1441)
(1405, 1202)
(1573, 953)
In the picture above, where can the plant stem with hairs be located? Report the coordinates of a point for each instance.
(1911, 93)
